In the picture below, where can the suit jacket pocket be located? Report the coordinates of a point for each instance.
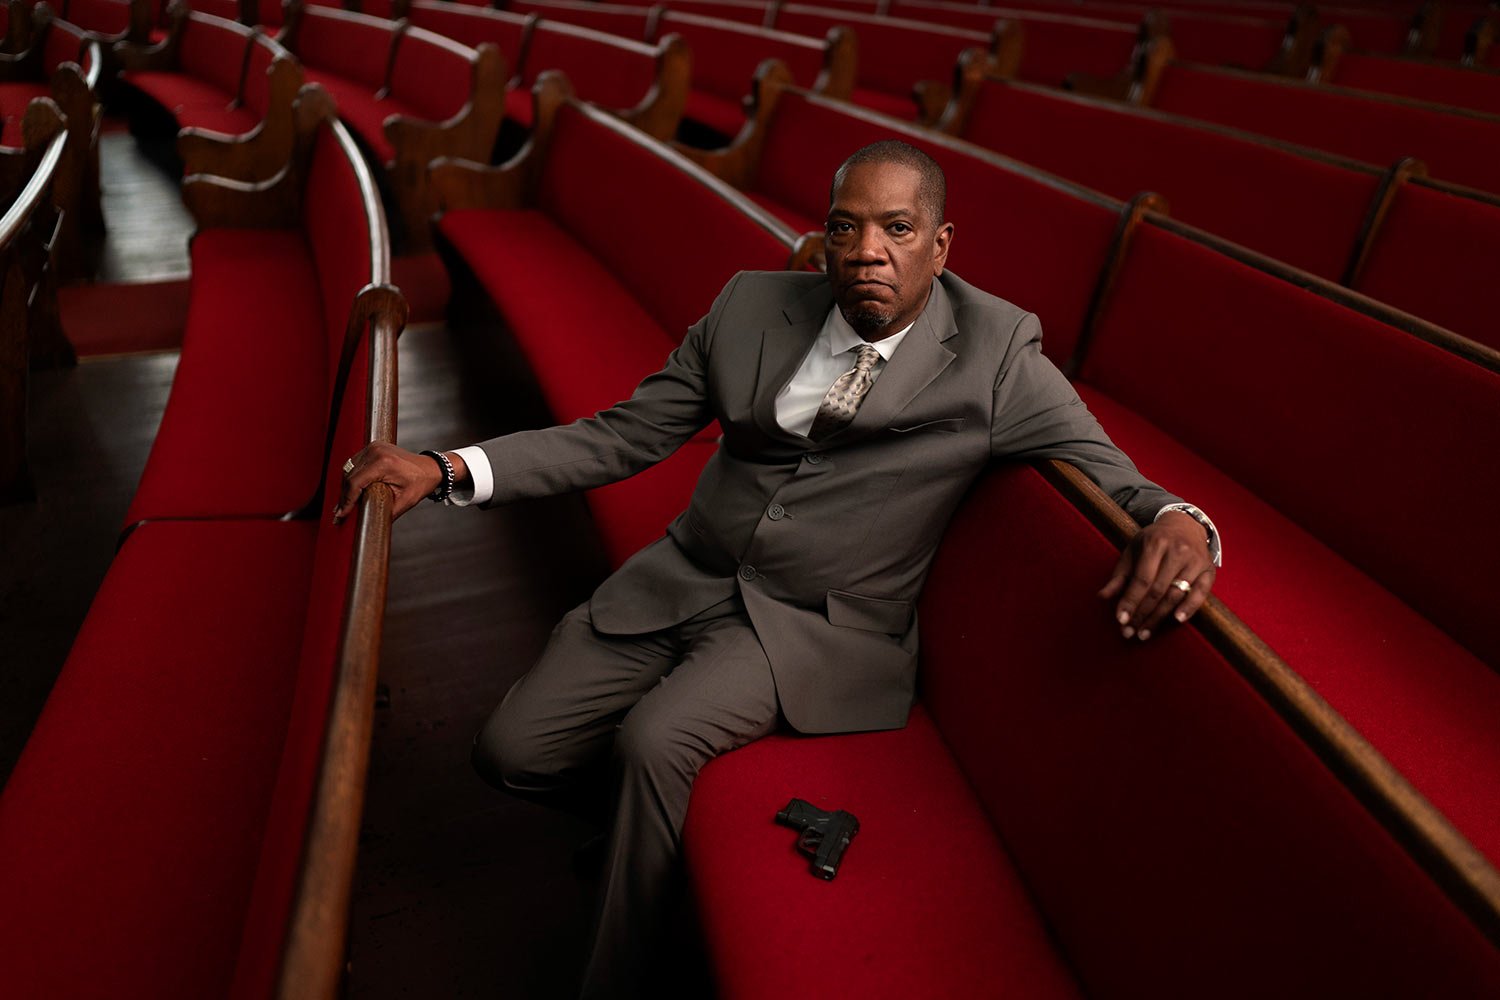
(948, 424)
(873, 614)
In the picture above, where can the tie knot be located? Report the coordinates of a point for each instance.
(868, 355)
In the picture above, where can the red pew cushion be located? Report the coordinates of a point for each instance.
(358, 109)
(1423, 700)
(925, 904)
(177, 688)
(13, 100)
(239, 340)
(723, 115)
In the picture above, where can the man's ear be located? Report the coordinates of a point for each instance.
(940, 244)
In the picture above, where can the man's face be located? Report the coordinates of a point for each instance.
(883, 251)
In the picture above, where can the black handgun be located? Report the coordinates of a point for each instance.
(825, 835)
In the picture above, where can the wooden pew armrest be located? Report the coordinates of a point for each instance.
(137, 55)
(660, 111)
(222, 202)
(463, 184)
(470, 132)
(735, 164)
(256, 155)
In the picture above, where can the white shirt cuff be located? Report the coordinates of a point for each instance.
(1215, 546)
(481, 478)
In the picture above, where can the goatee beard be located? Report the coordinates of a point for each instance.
(866, 321)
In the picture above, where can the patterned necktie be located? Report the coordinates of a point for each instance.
(844, 396)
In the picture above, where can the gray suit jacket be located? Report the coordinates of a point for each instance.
(828, 543)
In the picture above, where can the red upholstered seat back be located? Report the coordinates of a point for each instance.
(1462, 148)
(1350, 427)
(667, 235)
(349, 45)
(1037, 245)
(472, 26)
(1369, 30)
(270, 14)
(213, 50)
(612, 19)
(741, 11)
(725, 56)
(64, 43)
(338, 226)
(1055, 43)
(1304, 211)
(1246, 42)
(893, 53)
(257, 89)
(227, 9)
(107, 17)
(432, 75)
(1455, 86)
(1177, 836)
(609, 71)
(1435, 256)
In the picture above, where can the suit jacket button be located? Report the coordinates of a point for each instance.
(814, 457)
(747, 572)
(776, 512)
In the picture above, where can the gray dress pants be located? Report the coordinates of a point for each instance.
(658, 707)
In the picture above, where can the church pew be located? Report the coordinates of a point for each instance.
(1433, 246)
(1273, 413)
(1428, 80)
(553, 250)
(410, 96)
(61, 63)
(1433, 255)
(268, 305)
(644, 84)
(1069, 814)
(1457, 145)
(1056, 48)
(227, 90)
(906, 68)
(626, 20)
(28, 284)
(187, 806)
(726, 57)
(783, 164)
(474, 26)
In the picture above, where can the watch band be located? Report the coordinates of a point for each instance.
(445, 488)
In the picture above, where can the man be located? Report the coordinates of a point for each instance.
(856, 410)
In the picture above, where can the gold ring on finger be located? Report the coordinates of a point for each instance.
(1183, 586)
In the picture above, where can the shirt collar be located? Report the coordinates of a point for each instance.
(841, 337)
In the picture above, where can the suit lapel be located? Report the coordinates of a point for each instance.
(920, 359)
(782, 349)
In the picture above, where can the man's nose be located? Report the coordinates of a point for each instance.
(868, 247)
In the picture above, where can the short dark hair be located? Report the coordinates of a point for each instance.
(932, 191)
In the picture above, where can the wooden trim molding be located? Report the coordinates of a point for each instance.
(1391, 182)
(1131, 216)
(260, 153)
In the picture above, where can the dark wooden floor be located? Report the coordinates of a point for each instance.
(462, 891)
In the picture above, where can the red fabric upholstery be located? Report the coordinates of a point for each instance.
(1223, 41)
(1055, 46)
(1457, 148)
(1372, 31)
(1455, 85)
(622, 21)
(724, 115)
(926, 902)
(13, 100)
(433, 78)
(213, 52)
(604, 70)
(345, 45)
(1177, 837)
(227, 9)
(472, 26)
(534, 270)
(518, 106)
(646, 214)
(1434, 257)
(740, 12)
(893, 53)
(337, 226)
(135, 814)
(181, 94)
(240, 341)
(64, 43)
(107, 17)
(257, 86)
(230, 121)
(1404, 425)
(1295, 208)
(1427, 704)
(1052, 272)
(726, 55)
(899, 106)
(635, 512)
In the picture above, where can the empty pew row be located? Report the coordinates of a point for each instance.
(60, 63)
(1066, 814)
(1434, 81)
(1274, 475)
(410, 96)
(28, 284)
(525, 237)
(644, 84)
(1457, 145)
(187, 806)
(225, 90)
(1422, 246)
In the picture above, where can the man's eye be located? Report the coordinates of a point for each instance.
(839, 227)
(900, 228)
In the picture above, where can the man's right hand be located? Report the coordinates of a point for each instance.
(410, 476)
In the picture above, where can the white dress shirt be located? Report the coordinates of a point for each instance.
(831, 355)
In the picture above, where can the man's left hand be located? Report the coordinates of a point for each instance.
(1146, 579)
